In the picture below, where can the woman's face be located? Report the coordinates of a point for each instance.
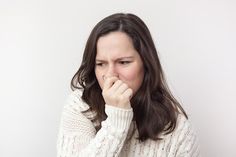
(116, 56)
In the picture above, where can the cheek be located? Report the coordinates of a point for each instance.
(128, 75)
(133, 77)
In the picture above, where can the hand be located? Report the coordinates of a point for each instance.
(116, 93)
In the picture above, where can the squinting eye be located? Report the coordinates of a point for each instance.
(124, 62)
(99, 64)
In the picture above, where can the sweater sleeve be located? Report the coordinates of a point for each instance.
(78, 137)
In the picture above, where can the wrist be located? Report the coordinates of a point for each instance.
(118, 117)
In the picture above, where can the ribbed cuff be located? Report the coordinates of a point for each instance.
(118, 117)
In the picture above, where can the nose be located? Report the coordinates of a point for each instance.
(111, 71)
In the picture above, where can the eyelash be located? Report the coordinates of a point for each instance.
(99, 64)
(124, 62)
(121, 62)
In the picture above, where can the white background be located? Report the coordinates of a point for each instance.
(41, 45)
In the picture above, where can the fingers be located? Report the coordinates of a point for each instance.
(116, 93)
(115, 86)
(128, 93)
(123, 87)
(109, 82)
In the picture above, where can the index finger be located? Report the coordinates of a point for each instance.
(109, 81)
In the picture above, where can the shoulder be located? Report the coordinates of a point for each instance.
(183, 124)
(75, 101)
(184, 139)
(76, 116)
(74, 105)
(183, 129)
(186, 136)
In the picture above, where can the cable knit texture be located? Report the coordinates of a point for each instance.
(78, 137)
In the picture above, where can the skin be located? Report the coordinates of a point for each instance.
(119, 69)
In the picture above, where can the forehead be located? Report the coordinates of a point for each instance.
(115, 44)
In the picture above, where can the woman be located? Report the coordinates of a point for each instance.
(120, 104)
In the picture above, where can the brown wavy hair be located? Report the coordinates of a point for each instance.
(155, 108)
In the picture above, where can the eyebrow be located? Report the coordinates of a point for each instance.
(121, 58)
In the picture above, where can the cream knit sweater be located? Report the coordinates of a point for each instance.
(78, 137)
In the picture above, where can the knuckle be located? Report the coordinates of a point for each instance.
(125, 85)
(121, 97)
(131, 91)
(118, 82)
